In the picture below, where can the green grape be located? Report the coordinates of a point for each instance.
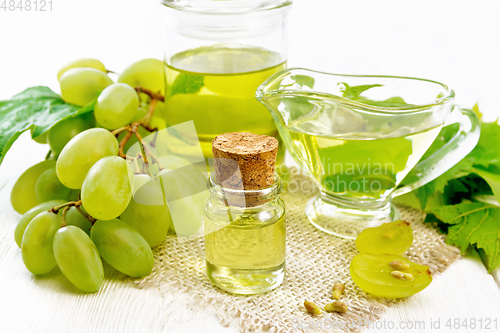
(160, 110)
(172, 162)
(373, 274)
(146, 73)
(42, 139)
(23, 194)
(48, 187)
(394, 237)
(158, 123)
(36, 246)
(186, 183)
(147, 211)
(81, 153)
(60, 134)
(82, 63)
(168, 162)
(77, 257)
(142, 111)
(107, 188)
(75, 218)
(81, 86)
(29, 215)
(116, 106)
(74, 195)
(123, 247)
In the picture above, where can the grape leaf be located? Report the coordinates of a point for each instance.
(492, 177)
(473, 223)
(303, 80)
(354, 93)
(36, 109)
(487, 151)
(186, 84)
(485, 154)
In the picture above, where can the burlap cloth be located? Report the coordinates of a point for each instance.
(315, 262)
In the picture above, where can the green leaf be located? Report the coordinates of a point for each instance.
(485, 154)
(303, 80)
(473, 224)
(186, 83)
(492, 177)
(487, 151)
(479, 114)
(36, 109)
(393, 102)
(354, 93)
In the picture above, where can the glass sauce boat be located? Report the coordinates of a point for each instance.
(360, 136)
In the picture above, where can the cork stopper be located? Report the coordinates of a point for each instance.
(254, 155)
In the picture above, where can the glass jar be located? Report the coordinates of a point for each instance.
(217, 53)
(245, 238)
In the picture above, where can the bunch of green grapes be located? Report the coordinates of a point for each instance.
(84, 203)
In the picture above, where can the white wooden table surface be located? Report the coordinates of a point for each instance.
(455, 42)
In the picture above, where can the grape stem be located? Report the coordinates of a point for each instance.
(67, 206)
(56, 209)
(63, 223)
(86, 215)
(147, 119)
(144, 150)
(132, 129)
(150, 93)
(121, 129)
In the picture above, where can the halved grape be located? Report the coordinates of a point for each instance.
(75, 218)
(123, 247)
(36, 247)
(23, 194)
(147, 211)
(82, 152)
(81, 86)
(49, 187)
(393, 237)
(82, 63)
(146, 73)
(107, 188)
(29, 215)
(116, 106)
(77, 257)
(374, 274)
(60, 134)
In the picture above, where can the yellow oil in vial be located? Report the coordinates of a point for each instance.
(247, 255)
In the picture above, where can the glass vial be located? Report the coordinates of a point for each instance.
(245, 238)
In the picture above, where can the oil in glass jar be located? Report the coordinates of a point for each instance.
(214, 86)
(245, 246)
